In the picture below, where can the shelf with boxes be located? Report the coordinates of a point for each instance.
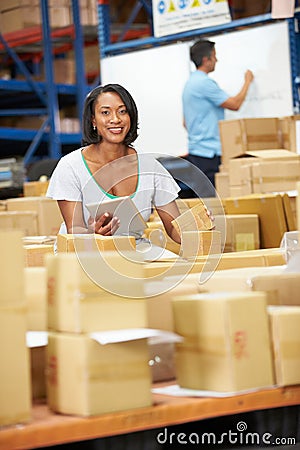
(50, 55)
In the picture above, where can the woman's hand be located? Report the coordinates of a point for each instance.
(106, 225)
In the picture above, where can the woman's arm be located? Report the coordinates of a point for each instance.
(167, 213)
(106, 225)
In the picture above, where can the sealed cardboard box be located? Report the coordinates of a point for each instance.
(285, 332)
(270, 210)
(239, 232)
(15, 386)
(222, 184)
(87, 378)
(49, 216)
(281, 287)
(226, 343)
(90, 293)
(94, 242)
(12, 267)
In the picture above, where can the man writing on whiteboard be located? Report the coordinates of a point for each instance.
(203, 106)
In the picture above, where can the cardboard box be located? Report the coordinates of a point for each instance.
(238, 232)
(222, 184)
(285, 332)
(106, 378)
(35, 188)
(281, 287)
(269, 208)
(15, 386)
(94, 242)
(12, 268)
(27, 221)
(35, 254)
(240, 135)
(289, 127)
(159, 298)
(88, 293)
(264, 171)
(36, 298)
(156, 234)
(226, 343)
(49, 216)
(193, 219)
(197, 243)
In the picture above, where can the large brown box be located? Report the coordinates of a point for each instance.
(285, 332)
(288, 127)
(270, 210)
(87, 378)
(240, 135)
(226, 344)
(281, 287)
(78, 303)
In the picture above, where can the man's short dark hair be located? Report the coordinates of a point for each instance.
(200, 49)
(90, 136)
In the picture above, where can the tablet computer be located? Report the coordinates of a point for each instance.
(131, 220)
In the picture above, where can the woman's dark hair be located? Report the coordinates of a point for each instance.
(90, 136)
(200, 49)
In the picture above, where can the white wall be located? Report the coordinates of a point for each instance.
(156, 76)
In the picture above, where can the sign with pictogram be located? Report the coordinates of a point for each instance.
(177, 16)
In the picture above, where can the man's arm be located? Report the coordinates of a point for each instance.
(234, 103)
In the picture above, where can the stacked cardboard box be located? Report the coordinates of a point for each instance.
(226, 345)
(90, 293)
(15, 387)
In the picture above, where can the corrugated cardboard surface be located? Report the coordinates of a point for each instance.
(286, 344)
(226, 343)
(86, 378)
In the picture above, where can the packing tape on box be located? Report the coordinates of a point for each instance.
(108, 372)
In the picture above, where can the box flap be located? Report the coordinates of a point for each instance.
(271, 153)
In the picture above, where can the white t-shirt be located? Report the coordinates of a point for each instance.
(72, 181)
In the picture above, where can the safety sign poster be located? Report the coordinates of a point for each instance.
(177, 16)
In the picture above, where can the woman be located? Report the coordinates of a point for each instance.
(108, 166)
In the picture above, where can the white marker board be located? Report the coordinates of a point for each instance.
(155, 77)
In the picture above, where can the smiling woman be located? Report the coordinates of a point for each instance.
(108, 166)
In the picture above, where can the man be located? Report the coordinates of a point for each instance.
(203, 106)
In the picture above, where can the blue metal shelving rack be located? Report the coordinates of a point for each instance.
(46, 93)
(109, 48)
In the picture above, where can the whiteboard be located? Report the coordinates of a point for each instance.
(155, 77)
(266, 51)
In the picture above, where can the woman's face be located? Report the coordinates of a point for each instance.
(111, 118)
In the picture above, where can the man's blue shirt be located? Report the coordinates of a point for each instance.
(201, 99)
